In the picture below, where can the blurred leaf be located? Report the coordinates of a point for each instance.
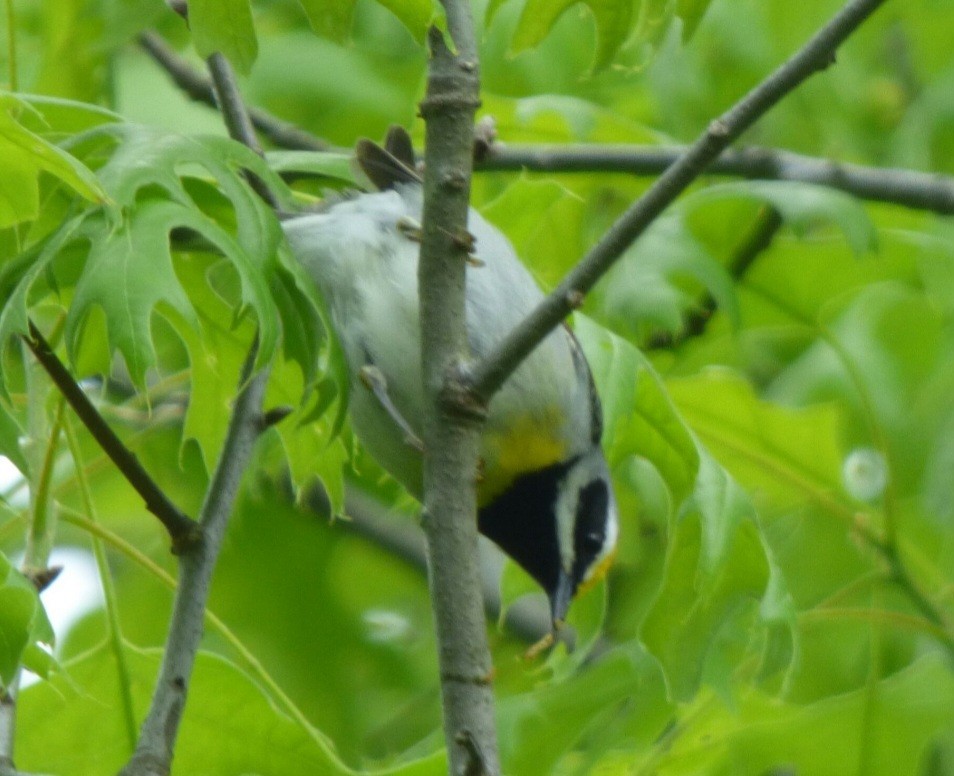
(333, 18)
(10, 434)
(224, 27)
(788, 455)
(716, 573)
(250, 733)
(691, 13)
(638, 415)
(660, 278)
(325, 164)
(895, 717)
(717, 567)
(802, 206)
(613, 23)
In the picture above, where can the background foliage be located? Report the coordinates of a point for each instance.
(784, 595)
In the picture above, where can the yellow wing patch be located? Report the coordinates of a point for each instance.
(529, 444)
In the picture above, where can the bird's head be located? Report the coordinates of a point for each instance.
(560, 524)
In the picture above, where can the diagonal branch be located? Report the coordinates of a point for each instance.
(183, 530)
(817, 54)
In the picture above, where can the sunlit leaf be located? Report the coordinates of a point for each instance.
(25, 155)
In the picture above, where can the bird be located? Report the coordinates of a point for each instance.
(544, 492)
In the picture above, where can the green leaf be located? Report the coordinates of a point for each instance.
(25, 155)
(333, 18)
(660, 278)
(10, 433)
(225, 27)
(613, 24)
(884, 728)
(128, 273)
(787, 455)
(330, 18)
(691, 13)
(803, 206)
(229, 726)
(639, 418)
(23, 621)
(716, 574)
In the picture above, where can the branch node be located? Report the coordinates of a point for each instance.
(275, 415)
(435, 104)
(186, 538)
(457, 398)
(718, 129)
(465, 241)
(43, 578)
(478, 680)
(575, 298)
(454, 179)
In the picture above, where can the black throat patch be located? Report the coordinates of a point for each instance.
(523, 524)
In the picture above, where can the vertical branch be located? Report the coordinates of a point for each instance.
(451, 433)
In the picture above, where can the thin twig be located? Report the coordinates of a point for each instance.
(157, 738)
(817, 54)
(908, 188)
(237, 120)
(183, 531)
(756, 242)
(199, 88)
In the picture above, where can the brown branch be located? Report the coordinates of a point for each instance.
(183, 530)
(817, 54)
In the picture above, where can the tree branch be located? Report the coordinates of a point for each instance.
(154, 750)
(907, 188)
(183, 531)
(815, 55)
(199, 88)
(452, 423)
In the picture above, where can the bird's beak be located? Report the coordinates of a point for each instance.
(560, 598)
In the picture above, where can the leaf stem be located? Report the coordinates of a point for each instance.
(114, 628)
